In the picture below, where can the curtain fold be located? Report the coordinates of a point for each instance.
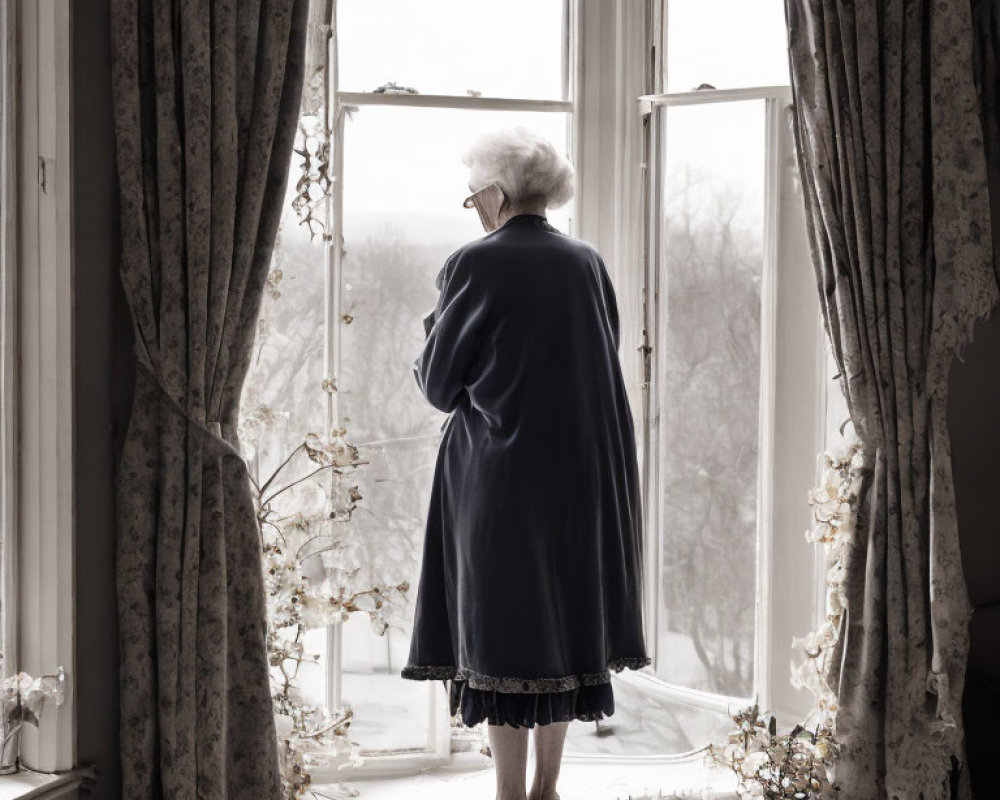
(206, 98)
(891, 155)
(986, 52)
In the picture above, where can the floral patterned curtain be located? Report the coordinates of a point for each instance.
(206, 100)
(986, 57)
(891, 153)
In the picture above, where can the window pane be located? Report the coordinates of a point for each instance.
(283, 398)
(726, 43)
(403, 190)
(510, 49)
(646, 723)
(712, 262)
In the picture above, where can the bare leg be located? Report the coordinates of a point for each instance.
(549, 740)
(509, 746)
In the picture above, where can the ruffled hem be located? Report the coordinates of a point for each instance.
(527, 709)
(480, 681)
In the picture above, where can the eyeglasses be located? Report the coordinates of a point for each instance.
(475, 198)
(487, 202)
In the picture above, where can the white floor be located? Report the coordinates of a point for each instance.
(470, 777)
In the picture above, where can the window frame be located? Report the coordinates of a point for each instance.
(8, 332)
(37, 457)
(625, 46)
(792, 387)
(606, 149)
(338, 104)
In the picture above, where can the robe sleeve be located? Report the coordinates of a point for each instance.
(452, 333)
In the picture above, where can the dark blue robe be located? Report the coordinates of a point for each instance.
(531, 579)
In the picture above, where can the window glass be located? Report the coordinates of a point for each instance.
(647, 723)
(712, 228)
(7, 355)
(510, 49)
(726, 43)
(404, 185)
(283, 397)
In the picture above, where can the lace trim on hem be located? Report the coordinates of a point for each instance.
(505, 684)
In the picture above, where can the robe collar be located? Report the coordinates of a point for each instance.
(536, 218)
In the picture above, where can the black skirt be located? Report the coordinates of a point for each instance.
(527, 709)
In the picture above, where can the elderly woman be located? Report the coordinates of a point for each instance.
(530, 591)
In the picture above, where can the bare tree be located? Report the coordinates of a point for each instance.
(711, 407)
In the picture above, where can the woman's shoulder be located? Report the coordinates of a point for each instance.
(488, 260)
(496, 247)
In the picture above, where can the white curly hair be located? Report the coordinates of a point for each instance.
(524, 163)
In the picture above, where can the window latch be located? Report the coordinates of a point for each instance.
(43, 182)
(645, 351)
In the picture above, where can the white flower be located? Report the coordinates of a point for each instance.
(15, 684)
(23, 696)
(336, 450)
(283, 724)
(753, 762)
(857, 461)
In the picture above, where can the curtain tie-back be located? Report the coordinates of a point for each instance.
(211, 429)
(985, 605)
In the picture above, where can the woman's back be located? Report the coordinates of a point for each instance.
(547, 350)
(536, 480)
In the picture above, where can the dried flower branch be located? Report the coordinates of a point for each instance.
(314, 183)
(799, 764)
(770, 765)
(309, 733)
(834, 504)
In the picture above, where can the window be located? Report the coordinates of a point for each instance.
(735, 395)
(36, 374)
(402, 216)
(347, 303)
(729, 44)
(713, 264)
(730, 326)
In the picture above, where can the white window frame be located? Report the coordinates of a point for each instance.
(792, 390)
(613, 35)
(8, 332)
(36, 461)
(338, 104)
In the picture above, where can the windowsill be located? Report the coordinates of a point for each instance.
(471, 775)
(30, 785)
